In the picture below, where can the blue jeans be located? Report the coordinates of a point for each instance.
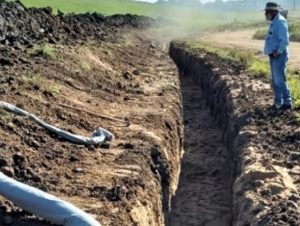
(280, 86)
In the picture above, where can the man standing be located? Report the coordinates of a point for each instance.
(276, 47)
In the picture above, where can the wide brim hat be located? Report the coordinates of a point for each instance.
(272, 6)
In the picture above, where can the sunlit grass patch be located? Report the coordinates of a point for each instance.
(294, 83)
(260, 34)
(259, 68)
(85, 66)
(54, 89)
(32, 79)
(294, 29)
(45, 51)
(243, 57)
(5, 116)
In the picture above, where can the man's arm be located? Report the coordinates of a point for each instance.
(283, 36)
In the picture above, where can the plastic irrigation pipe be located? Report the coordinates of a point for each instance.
(43, 204)
(99, 136)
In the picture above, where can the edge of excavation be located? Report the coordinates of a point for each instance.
(261, 181)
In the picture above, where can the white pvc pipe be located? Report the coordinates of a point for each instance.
(99, 136)
(43, 204)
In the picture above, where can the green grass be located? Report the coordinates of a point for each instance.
(260, 34)
(44, 50)
(259, 68)
(32, 79)
(85, 66)
(256, 66)
(36, 80)
(185, 16)
(244, 57)
(295, 31)
(5, 116)
(54, 89)
(294, 83)
(294, 28)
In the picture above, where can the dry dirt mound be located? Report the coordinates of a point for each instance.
(23, 28)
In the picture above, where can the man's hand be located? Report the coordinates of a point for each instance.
(275, 54)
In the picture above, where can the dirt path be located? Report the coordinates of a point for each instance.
(204, 193)
(243, 39)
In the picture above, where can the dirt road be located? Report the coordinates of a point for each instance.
(243, 39)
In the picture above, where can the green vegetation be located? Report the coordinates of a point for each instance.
(54, 89)
(44, 50)
(294, 28)
(295, 31)
(5, 117)
(259, 68)
(32, 79)
(260, 34)
(238, 25)
(294, 82)
(256, 66)
(186, 16)
(227, 54)
(85, 66)
(36, 80)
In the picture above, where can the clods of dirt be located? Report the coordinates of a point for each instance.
(264, 144)
(83, 87)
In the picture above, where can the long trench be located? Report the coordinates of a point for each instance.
(203, 197)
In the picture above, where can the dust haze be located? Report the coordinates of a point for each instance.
(191, 17)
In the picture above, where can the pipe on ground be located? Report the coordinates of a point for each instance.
(43, 204)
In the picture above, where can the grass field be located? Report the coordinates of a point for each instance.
(294, 28)
(184, 16)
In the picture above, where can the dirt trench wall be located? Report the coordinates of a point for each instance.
(265, 190)
(216, 92)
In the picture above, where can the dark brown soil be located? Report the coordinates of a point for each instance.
(22, 28)
(127, 182)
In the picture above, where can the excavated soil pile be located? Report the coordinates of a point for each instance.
(88, 79)
(263, 145)
(21, 27)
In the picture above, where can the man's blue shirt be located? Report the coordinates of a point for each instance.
(277, 39)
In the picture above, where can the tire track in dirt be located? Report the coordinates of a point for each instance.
(203, 197)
